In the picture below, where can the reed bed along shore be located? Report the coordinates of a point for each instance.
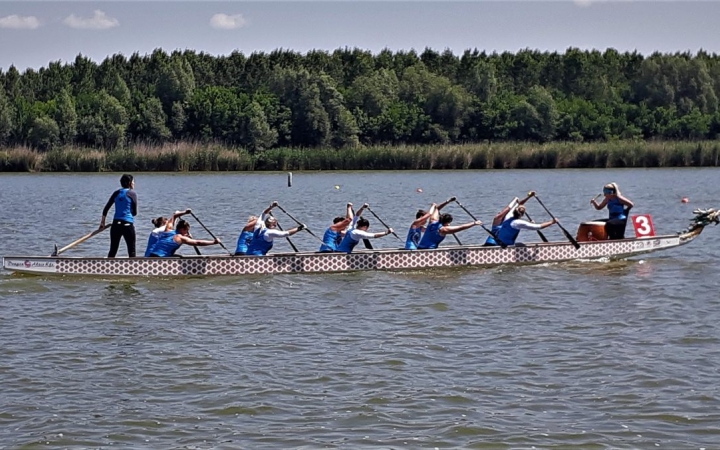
(185, 157)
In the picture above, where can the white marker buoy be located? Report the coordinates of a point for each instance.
(289, 179)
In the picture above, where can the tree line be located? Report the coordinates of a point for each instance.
(351, 97)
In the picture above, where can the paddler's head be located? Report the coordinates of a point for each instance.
(271, 222)
(182, 227)
(420, 213)
(446, 219)
(338, 219)
(159, 221)
(127, 181)
(362, 224)
(610, 189)
(519, 212)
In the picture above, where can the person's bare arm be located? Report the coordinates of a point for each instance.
(454, 229)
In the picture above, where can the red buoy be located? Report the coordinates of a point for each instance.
(685, 200)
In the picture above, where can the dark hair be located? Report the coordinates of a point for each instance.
(182, 224)
(338, 219)
(519, 211)
(125, 180)
(362, 222)
(446, 218)
(158, 221)
(420, 213)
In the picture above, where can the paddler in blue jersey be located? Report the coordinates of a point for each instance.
(170, 240)
(265, 232)
(334, 233)
(618, 207)
(159, 229)
(418, 226)
(359, 231)
(439, 227)
(246, 236)
(505, 213)
(511, 227)
(125, 202)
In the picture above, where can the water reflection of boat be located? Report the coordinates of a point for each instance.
(457, 256)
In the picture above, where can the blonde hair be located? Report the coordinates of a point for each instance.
(613, 186)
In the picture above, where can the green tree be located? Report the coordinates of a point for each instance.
(44, 133)
(7, 114)
(65, 117)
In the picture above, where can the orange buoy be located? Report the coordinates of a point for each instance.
(685, 200)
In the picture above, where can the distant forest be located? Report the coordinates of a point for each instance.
(351, 97)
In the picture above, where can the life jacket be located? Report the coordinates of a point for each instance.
(413, 238)
(491, 240)
(165, 245)
(432, 237)
(507, 234)
(123, 206)
(152, 239)
(348, 243)
(258, 245)
(331, 240)
(243, 242)
(616, 209)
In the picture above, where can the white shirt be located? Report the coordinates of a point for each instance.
(271, 234)
(520, 224)
(356, 234)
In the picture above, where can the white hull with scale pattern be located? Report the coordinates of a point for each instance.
(386, 260)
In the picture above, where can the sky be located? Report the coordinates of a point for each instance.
(34, 33)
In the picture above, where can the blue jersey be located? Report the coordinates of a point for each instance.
(258, 245)
(243, 242)
(165, 245)
(507, 234)
(413, 238)
(491, 240)
(331, 241)
(616, 209)
(152, 239)
(348, 243)
(432, 237)
(123, 206)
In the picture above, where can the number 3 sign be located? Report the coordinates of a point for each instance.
(643, 226)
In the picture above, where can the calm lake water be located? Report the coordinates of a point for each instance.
(617, 354)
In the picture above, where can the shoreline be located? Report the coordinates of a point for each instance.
(213, 157)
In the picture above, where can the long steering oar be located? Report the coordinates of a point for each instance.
(299, 223)
(383, 223)
(565, 232)
(494, 235)
(57, 252)
(287, 237)
(540, 233)
(210, 232)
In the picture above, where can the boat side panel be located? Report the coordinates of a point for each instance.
(339, 262)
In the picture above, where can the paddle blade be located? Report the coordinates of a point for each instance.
(570, 238)
(367, 244)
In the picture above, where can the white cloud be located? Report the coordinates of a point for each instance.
(99, 21)
(16, 22)
(227, 22)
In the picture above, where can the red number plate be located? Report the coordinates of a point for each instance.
(643, 225)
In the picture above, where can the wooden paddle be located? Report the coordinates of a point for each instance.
(57, 252)
(494, 235)
(210, 233)
(383, 223)
(287, 237)
(565, 232)
(542, 236)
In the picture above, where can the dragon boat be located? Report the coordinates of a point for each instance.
(588, 248)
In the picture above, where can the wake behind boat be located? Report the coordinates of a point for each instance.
(385, 260)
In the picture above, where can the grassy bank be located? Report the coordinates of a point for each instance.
(183, 157)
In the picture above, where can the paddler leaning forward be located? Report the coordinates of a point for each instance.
(417, 228)
(510, 228)
(171, 240)
(266, 232)
(505, 214)
(359, 231)
(334, 233)
(439, 228)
